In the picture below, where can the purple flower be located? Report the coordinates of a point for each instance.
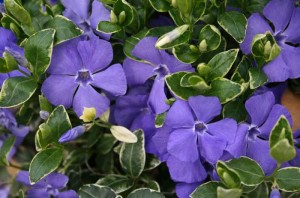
(285, 18)
(51, 185)
(189, 137)
(77, 68)
(252, 137)
(157, 63)
(296, 160)
(4, 191)
(72, 134)
(133, 112)
(275, 193)
(79, 12)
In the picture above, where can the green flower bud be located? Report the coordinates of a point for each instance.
(171, 36)
(122, 17)
(203, 46)
(113, 17)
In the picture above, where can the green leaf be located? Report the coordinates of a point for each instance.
(294, 195)
(194, 80)
(176, 37)
(224, 89)
(253, 6)
(160, 120)
(108, 27)
(133, 155)
(161, 5)
(221, 64)
(248, 170)
(65, 29)
(242, 70)
(226, 193)
(122, 5)
(145, 193)
(8, 63)
(106, 143)
(153, 185)
(38, 50)
(235, 24)
(281, 141)
(236, 110)
(16, 91)
(211, 36)
(45, 105)
(173, 83)
(288, 179)
(5, 149)
(57, 124)
(44, 163)
(151, 162)
(118, 183)
(17, 11)
(94, 191)
(198, 9)
(228, 175)
(185, 53)
(261, 191)
(257, 77)
(207, 190)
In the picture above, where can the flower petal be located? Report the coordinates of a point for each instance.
(157, 97)
(96, 54)
(293, 30)
(183, 145)
(279, 12)
(160, 140)
(256, 25)
(89, 97)
(112, 80)
(60, 89)
(38, 192)
(183, 190)
(173, 64)
(238, 147)
(188, 172)
(99, 13)
(137, 72)
(79, 7)
(291, 56)
(225, 129)
(7, 38)
(146, 50)
(67, 194)
(259, 151)
(205, 108)
(211, 147)
(180, 115)
(57, 180)
(277, 70)
(65, 58)
(259, 107)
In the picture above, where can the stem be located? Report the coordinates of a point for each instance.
(15, 166)
(102, 125)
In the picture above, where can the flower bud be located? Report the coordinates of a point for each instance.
(203, 46)
(275, 193)
(89, 114)
(44, 115)
(72, 134)
(171, 36)
(113, 17)
(123, 134)
(18, 55)
(122, 17)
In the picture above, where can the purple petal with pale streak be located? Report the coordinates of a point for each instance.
(183, 190)
(291, 56)
(277, 70)
(183, 145)
(293, 30)
(145, 50)
(96, 54)
(259, 107)
(90, 98)
(259, 151)
(279, 12)
(99, 13)
(205, 108)
(256, 25)
(211, 147)
(137, 72)
(79, 7)
(128, 107)
(225, 129)
(180, 115)
(277, 111)
(59, 89)
(67, 194)
(173, 64)
(65, 58)
(239, 146)
(157, 97)
(57, 180)
(160, 140)
(7, 37)
(112, 80)
(188, 172)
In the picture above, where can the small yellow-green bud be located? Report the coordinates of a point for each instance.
(267, 49)
(122, 17)
(194, 48)
(113, 17)
(203, 46)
